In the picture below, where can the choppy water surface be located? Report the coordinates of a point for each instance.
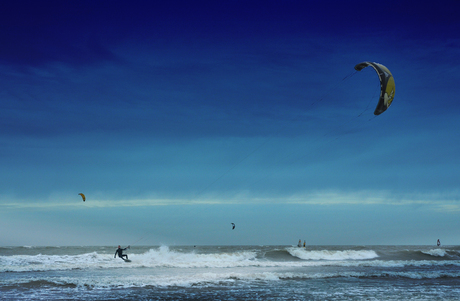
(231, 273)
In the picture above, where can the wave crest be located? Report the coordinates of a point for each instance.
(436, 252)
(332, 254)
(163, 256)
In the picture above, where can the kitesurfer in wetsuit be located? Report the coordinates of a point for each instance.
(438, 243)
(119, 251)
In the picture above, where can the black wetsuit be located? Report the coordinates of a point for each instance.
(119, 251)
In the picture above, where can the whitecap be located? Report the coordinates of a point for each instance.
(436, 252)
(332, 254)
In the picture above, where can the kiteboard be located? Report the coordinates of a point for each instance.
(127, 260)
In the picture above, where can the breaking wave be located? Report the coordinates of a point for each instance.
(332, 254)
(164, 257)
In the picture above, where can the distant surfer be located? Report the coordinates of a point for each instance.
(120, 254)
(438, 243)
(300, 243)
(304, 243)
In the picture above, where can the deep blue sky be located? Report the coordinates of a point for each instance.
(178, 118)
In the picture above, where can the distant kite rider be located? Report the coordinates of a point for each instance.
(438, 243)
(304, 243)
(300, 243)
(119, 251)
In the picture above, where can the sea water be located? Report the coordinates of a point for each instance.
(231, 273)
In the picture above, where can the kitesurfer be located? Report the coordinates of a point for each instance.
(304, 243)
(120, 254)
(300, 243)
(438, 243)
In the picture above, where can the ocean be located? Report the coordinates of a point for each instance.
(231, 273)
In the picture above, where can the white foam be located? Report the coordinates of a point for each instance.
(436, 252)
(332, 254)
(207, 279)
(20, 263)
(163, 257)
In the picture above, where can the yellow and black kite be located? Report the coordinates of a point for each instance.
(82, 196)
(387, 85)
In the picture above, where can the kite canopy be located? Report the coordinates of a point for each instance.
(82, 196)
(387, 85)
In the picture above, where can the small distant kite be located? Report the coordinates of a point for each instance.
(82, 196)
(233, 226)
(387, 85)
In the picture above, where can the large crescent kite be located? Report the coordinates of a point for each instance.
(387, 85)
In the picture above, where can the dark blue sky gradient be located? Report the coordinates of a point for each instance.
(241, 106)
